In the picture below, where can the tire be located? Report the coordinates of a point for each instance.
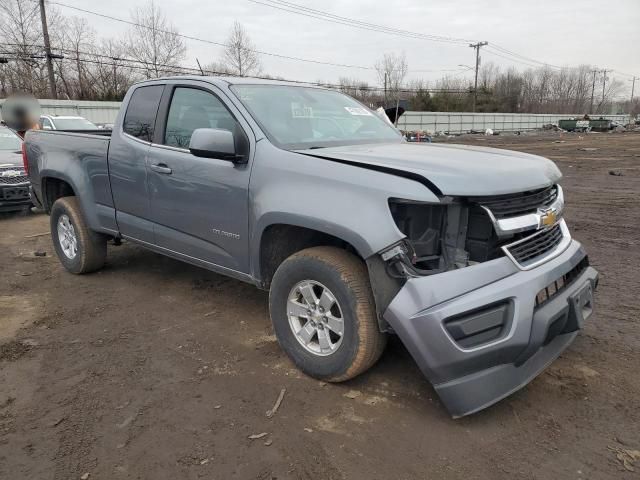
(347, 280)
(91, 247)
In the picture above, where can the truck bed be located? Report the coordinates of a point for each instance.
(51, 157)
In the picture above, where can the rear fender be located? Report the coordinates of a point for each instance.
(84, 170)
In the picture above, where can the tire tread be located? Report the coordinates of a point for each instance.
(355, 275)
(94, 245)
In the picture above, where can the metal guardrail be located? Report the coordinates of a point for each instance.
(456, 122)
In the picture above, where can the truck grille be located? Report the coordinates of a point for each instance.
(529, 249)
(14, 179)
(557, 286)
(14, 193)
(516, 204)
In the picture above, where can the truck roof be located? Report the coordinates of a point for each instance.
(231, 80)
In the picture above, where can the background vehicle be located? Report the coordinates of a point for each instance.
(73, 123)
(356, 233)
(14, 184)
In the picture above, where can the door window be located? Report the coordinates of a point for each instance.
(192, 108)
(140, 119)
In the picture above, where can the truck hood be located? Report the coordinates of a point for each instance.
(10, 158)
(459, 170)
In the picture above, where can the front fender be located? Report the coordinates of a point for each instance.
(345, 201)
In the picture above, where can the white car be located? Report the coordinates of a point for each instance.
(63, 122)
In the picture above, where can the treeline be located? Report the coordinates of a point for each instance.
(540, 90)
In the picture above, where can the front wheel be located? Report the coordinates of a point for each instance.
(323, 313)
(79, 249)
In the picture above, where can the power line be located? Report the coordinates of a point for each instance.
(512, 59)
(261, 52)
(625, 74)
(318, 14)
(186, 70)
(522, 57)
(210, 42)
(332, 18)
(351, 22)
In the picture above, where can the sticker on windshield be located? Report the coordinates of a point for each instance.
(358, 111)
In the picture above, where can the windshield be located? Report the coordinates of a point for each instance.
(9, 140)
(73, 124)
(301, 117)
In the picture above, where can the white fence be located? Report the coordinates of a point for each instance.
(503, 122)
(96, 112)
(106, 112)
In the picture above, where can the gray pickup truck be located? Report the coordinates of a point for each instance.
(357, 234)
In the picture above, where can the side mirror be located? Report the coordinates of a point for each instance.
(214, 143)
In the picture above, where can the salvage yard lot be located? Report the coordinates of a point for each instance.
(155, 369)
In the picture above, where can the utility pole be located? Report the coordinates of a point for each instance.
(604, 83)
(477, 46)
(593, 89)
(200, 67)
(385, 90)
(633, 87)
(115, 78)
(47, 48)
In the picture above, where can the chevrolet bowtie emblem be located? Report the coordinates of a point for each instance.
(548, 218)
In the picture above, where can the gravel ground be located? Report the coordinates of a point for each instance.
(153, 369)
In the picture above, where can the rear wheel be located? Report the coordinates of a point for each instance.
(323, 313)
(79, 249)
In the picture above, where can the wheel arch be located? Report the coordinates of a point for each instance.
(55, 185)
(279, 240)
(53, 188)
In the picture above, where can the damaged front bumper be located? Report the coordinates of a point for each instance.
(482, 332)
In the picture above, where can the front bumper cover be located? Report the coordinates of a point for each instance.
(470, 379)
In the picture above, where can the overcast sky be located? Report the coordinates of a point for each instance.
(605, 33)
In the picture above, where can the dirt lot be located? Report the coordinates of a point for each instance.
(153, 369)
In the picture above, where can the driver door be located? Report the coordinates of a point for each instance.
(199, 206)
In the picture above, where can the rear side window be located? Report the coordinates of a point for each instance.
(140, 119)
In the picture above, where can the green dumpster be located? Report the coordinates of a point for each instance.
(581, 125)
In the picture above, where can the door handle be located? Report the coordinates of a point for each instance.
(160, 168)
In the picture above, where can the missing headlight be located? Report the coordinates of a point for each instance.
(423, 225)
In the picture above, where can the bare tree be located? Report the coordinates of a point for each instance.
(392, 69)
(21, 31)
(239, 55)
(358, 89)
(77, 39)
(112, 75)
(217, 68)
(154, 41)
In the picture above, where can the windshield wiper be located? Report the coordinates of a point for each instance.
(315, 147)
